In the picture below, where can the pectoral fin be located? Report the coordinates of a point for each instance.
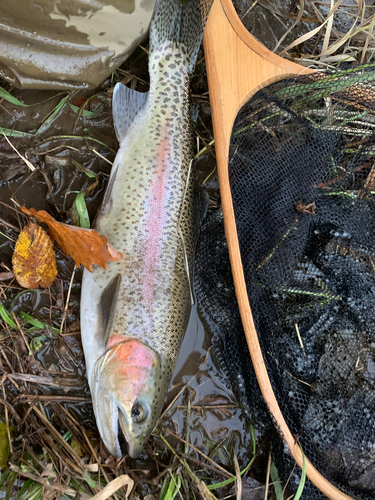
(107, 305)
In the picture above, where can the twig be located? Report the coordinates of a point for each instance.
(203, 150)
(28, 163)
(195, 461)
(9, 225)
(238, 478)
(7, 420)
(267, 476)
(59, 397)
(61, 440)
(11, 409)
(299, 336)
(101, 156)
(223, 471)
(65, 312)
(66, 383)
(23, 335)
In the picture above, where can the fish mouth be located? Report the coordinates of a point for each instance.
(134, 448)
(106, 414)
(110, 418)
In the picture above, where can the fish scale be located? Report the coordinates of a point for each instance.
(134, 314)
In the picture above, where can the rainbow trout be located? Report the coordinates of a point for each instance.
(135, 313)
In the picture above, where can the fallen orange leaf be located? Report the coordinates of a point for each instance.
(85, 246)
(33, 258)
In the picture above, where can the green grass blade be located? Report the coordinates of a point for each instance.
(15, 133)
(276, 482)
(67, 435)
(170, 492)
(79, 210)
(4, 94)
(44, 126)
(303, 477)
(33, 321)
(36, 323)
(253, 439)
(89, 480)
(30, 489)
(24, 488)
(6, 316)
(13, 100)
(37, 343)
(164, 488)
(89, 174)
(231, 479)
(86, 171)
(85, 112)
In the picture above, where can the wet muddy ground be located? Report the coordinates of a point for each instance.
(45, 401)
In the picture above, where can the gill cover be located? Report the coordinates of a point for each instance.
(128, 388)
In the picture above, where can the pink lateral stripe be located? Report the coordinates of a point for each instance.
(155, 224)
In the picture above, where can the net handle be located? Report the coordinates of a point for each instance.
(237, 67)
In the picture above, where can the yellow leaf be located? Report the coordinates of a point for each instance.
(76, 446)
(4, 445)
(33, 258)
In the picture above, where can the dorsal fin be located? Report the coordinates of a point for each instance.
(126, 105)
(107, 305)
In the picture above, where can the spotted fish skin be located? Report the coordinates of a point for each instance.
(134, 314)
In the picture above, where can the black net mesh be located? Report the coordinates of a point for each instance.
(302, 177)
(219, 312)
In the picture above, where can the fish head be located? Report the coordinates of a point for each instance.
(128, 388)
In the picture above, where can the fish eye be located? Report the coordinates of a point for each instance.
(138, 413)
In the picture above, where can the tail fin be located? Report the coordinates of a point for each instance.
(182, 23)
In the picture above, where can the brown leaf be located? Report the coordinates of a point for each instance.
(306, 209)
(85, 246)
(370, 181)
(33, 258)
